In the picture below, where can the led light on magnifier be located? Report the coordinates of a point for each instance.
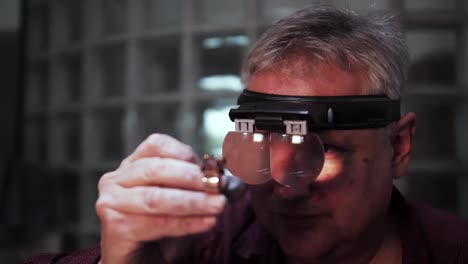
(297, 139)
(257, 137)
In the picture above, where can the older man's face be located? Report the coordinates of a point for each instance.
(348, 200)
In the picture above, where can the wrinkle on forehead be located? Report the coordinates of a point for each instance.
(301, 76)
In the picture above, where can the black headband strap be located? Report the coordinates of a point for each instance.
(321, 112)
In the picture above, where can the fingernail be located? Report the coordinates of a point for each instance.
(216, 203)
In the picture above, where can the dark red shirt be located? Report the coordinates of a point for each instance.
(427, 235)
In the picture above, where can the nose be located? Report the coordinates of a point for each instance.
(291, 193)
(280, 159)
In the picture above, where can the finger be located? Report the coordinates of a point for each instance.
(162, 172)
(161, 145)
(163, 201)
(140, 228)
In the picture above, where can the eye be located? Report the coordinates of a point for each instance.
(328, 148)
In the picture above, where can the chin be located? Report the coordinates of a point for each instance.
(305, 244)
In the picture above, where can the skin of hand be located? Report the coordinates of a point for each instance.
(155, 193)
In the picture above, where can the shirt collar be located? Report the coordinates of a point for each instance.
(412, 236)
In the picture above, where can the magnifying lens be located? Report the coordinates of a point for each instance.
(274, 135)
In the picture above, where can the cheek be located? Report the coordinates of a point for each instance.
(352, 168)
(350, 195)
(365, 193)
(348, 182)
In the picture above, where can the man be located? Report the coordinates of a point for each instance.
(337, 205)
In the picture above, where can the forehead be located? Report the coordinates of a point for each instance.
(300, 77)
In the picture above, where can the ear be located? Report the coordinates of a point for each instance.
(401, 143)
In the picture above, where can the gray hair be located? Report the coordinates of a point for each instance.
(374, 42)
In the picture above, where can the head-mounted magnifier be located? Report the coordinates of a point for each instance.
(274, 139)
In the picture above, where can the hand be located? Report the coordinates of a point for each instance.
(155, 193)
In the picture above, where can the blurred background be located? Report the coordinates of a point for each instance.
(83, 82)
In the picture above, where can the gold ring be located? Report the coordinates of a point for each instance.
(213, 171)
(211, 184)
